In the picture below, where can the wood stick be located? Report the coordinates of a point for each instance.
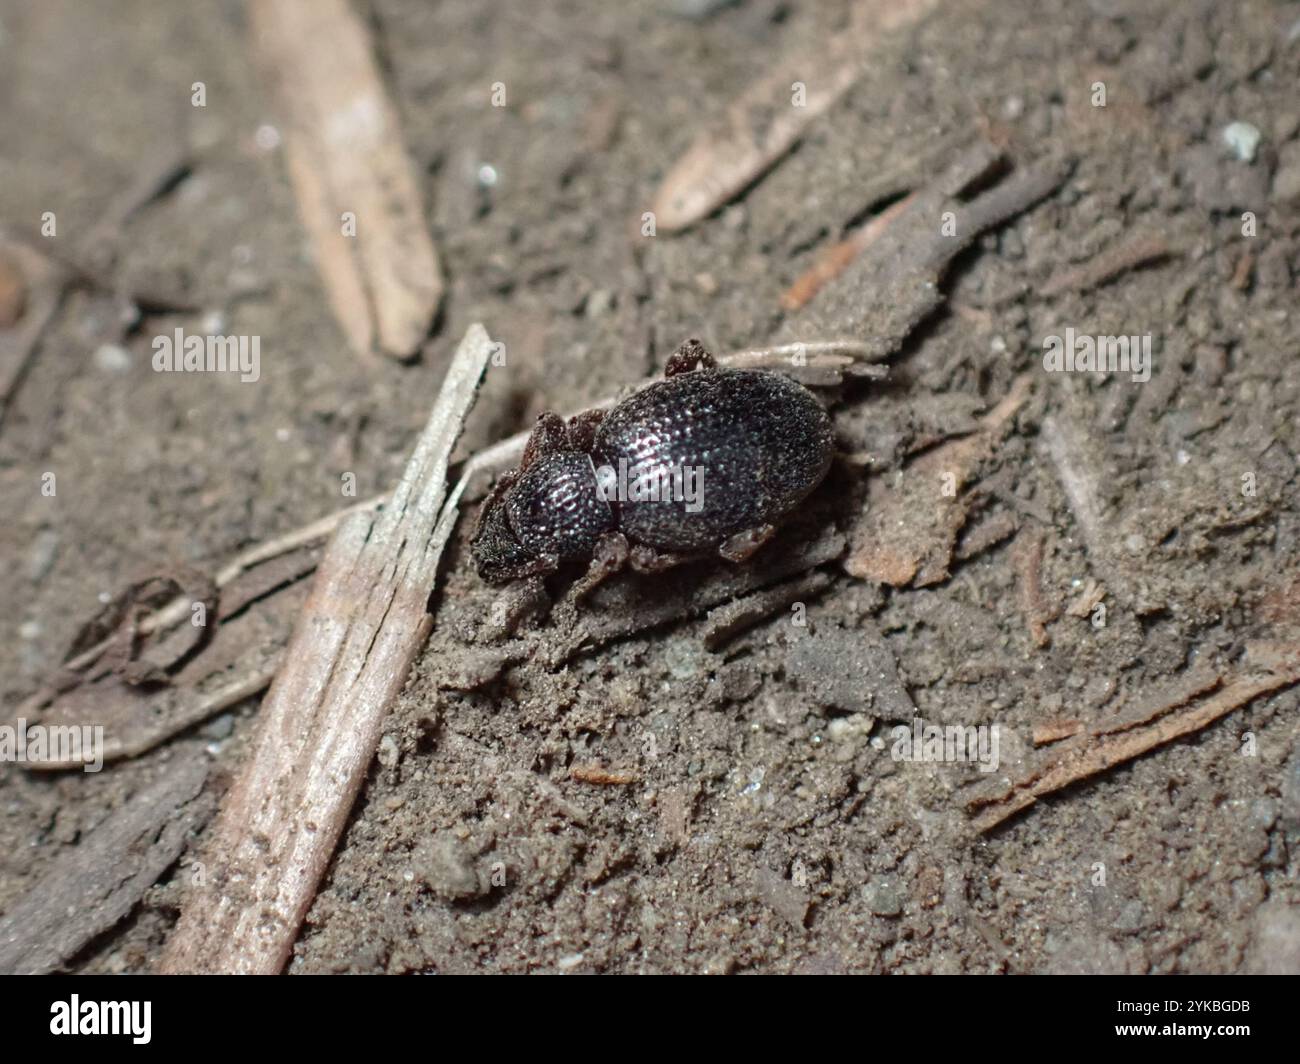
(344, 149)
(91, 886)
(45, 285)
(364, 623)
(1136, 251)
(1083, 757)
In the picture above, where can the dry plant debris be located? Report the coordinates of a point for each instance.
(904, 264)
(1088, 752)
(1027, 557)
(94, 884)
(763, 124)
(1137, 250)
(909, 530)
(835, 259)
(354, 182)
(34, 287)
(364, 622)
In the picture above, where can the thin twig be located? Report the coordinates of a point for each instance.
(1088, 755)
(1136, 251)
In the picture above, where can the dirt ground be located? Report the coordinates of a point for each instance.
(764, 825)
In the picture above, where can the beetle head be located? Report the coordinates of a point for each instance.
(552, 512)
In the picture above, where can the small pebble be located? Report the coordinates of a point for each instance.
(112, 359)
(446, 868)
(1243, 140)
(220, 727)
(883, 896)
(682, 659)
(41, 556)
(599, 303)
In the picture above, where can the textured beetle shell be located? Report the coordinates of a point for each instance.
(762, 440)
(556, 507)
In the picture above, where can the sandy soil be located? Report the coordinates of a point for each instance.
(767, 827)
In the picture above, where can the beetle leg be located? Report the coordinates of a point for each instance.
(690, 356)
(548, 436)
(525, 598)
(645, 559)
(609, 557)
(740, 546)
(582, 430)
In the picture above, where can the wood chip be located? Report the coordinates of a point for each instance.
(1089, 598)
(362, 626)
(602, 776)
(1027, 559)
(346, 157)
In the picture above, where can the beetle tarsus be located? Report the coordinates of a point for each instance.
(609, 558)
(742, 545)
(519, 601)
(689, 357)
(645, 559)
(549, 436)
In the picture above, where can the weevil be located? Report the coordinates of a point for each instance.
(707, 461)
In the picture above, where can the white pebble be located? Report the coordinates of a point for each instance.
(1243, 139)
(112, 359)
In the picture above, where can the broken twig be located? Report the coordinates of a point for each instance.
(354, 182)
(363, 624)
(1082, 756)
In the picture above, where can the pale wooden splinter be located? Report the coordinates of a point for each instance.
(362, 626)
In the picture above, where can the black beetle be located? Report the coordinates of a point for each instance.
(705, 461)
